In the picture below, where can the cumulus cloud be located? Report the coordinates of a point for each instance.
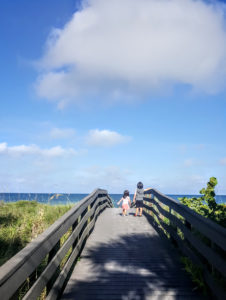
(105, 138)
(35, 150)
(59, 133)
(125, 46)
(3, 147)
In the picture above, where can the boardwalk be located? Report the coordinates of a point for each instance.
(124, 258)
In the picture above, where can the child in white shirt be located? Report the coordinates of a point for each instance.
(125, 202)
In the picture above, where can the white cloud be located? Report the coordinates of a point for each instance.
(223, 161)
(3, 147)
(123, 46)
(58, 133)
(35, 150)
(105, 138)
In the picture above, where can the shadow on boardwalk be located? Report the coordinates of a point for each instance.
(132, 267)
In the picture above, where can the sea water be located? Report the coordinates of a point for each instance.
(55, 199)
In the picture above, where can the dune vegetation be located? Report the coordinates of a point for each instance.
(23, 221)
(206, 204)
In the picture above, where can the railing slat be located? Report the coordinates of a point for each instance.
(206, 251)
(187, 228)
(46, 275)
(44, 242)
(207, 227)
(17, 269)
(53, 294)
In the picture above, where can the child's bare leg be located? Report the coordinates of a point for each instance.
(141, 209)
(137, 209)
(123, 212)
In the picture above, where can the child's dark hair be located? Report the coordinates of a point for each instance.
(140, 185)
(125, 194)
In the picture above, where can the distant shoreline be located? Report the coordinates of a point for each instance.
(63, 198)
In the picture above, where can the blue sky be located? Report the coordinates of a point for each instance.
(107, 93)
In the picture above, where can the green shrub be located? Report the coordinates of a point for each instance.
(23, 221)
(206, 204)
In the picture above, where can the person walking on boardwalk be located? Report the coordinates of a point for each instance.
(125, 202)
(138, 199)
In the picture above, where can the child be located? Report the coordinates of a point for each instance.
(125, 202)
(138, 198)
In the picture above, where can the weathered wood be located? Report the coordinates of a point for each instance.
(213, 285)
(46, 275)
(191, 220)
(39, 248)
(56, 272)
(63, 275)
(18, 268)
(82, 219)
(208, 228)
(124, 258)
(206, 251)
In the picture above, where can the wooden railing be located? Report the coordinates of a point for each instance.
(198, 238)
(42, 267)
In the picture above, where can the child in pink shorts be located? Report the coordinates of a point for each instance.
(125, 202)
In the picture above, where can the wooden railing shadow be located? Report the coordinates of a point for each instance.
(196, 237)
(132, 267)
(44, 265)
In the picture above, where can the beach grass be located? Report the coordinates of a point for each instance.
(23, 221)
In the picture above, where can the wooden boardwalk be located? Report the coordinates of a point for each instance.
(124, 258)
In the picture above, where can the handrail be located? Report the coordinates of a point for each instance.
(197, 237)
(80, 220)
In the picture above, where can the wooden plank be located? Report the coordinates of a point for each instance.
(37, 243)
(213, 285)
(17, 269)
(169, 229)
(212, 256)
(125, 258)
(61, 279)
(207, 227)
(164, 212)
(216, 289)
(46, 275)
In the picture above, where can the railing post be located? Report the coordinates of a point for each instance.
(88, 221)
(44, 267)
(151, 205)
(188, 225)
(52, 253)
(73, 228)
(173, 228)
(213, 246)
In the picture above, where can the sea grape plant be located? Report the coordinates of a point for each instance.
(206, 204)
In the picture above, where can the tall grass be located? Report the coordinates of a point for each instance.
(23, 221)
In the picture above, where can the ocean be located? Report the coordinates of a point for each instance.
(55, 199)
